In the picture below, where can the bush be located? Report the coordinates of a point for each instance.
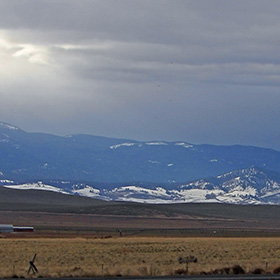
(221, 271)
(276, 270)
(227, 270)
(180, 271)
(237, 269)
(258, 271)
(218, 271)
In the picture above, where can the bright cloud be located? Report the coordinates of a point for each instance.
(34, 54)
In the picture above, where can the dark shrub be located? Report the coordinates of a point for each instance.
(258, 271)
(276, 270)
(237, 269)
(227, 270)
(221, 271)
(218, 271)
(180, 271)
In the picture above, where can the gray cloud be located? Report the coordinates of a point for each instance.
(199, 71)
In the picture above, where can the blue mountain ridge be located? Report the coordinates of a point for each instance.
(30, 156)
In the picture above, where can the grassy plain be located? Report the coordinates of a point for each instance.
(134, 256)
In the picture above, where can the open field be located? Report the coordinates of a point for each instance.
(134, 256)
(96, 225)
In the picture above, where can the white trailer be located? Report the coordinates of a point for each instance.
(11, 229)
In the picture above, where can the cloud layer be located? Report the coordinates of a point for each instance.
(198, 71)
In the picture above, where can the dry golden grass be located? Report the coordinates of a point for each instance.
(57, 257)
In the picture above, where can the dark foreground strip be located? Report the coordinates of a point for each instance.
(199, 277)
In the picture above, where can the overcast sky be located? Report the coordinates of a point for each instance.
(198, 71)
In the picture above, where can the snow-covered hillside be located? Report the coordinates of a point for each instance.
(246, 186)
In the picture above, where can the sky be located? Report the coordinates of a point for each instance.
(175, 70)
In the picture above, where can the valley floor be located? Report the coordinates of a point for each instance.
(96, 225)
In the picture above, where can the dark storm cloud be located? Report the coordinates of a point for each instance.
(200, 71)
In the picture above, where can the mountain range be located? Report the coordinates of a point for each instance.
(246, 186)
(129, 170)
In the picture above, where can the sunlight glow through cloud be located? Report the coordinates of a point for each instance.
(34, 54)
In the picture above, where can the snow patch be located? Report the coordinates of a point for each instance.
(148, 201)
(8, 126)
(35, 186)
(6, 181)
(158, 192)
(122, 145)
(154, 161)
(156, 143)
(88, 191)
(199, 195)
(184, 145)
